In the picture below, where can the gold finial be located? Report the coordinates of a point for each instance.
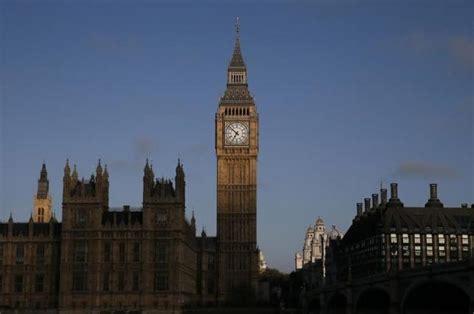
(237, 26)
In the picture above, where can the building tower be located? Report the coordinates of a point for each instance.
(42, 201)
(236, 128)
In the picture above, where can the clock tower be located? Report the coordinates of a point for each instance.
(236, 127)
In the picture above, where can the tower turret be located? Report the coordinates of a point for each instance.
(42, 202)
(180, 182)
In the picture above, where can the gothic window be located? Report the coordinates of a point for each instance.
(122, 252)
(161, 281)
(40, 254)
(18, 283)
(107, 251)
(121, 281)
(80, 251)
(106, 281)
(1, 283)
(136, 252)
(39, 283)
(1, 254)
(20, 253)
(136, 281)
(161, 218)
(161, 252)
(210, 285)
(81, 218)
(79, 280)
(40, 214)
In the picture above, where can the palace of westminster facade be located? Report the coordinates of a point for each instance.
(132, 260)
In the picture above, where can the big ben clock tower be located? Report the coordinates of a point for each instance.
(237, 150)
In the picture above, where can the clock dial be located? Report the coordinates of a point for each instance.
(236, 133)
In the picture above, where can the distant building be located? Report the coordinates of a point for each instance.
(312, 261)
(387, 237)
(315, 243)
(262, 264)
(397, 259)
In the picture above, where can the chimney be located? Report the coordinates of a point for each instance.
(375, 200)
(433, 191)
(464, 205)
(434, 201)
(394, 200)
(359, 209)
(367, 204)
(383, 196)
(393, 191)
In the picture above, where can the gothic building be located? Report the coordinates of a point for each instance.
(237, 152)
(102, 260)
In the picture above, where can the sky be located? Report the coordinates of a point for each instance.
(350, 94)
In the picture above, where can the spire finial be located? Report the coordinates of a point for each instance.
(237, 27)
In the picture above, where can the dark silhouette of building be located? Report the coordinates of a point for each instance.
(103, 260)
(392, 257)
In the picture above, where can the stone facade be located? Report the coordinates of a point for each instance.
(149, 259)
(237, 146)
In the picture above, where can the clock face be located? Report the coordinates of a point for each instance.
(236, 133)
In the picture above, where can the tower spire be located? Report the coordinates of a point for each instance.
(237, 60)
(43, 183)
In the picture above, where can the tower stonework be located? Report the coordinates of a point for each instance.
(236, 134)
(42, 201)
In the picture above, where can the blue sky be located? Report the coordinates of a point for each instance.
(349, 94)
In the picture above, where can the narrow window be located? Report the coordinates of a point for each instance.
(121, 281)
(106, 281)
(136, 252)
(107, 251)
(1, 254)
(80, 252)
(40, 254)
(20, 253)
(161, 281)
(39, 283)
(122, 252)
(136, 281)
(161, 252)
(79, 280)
(18, 283)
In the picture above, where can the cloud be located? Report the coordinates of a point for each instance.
(462, 50)
(458, 48)
(426, 170)
(143, 147)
